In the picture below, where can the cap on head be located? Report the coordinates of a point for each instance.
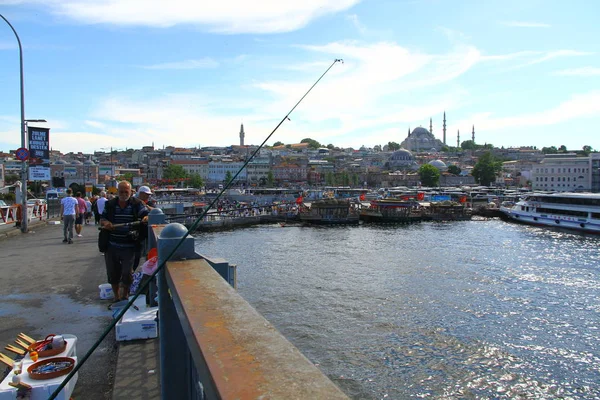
(144, 189)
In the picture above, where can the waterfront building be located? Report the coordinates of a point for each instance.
(194, 167)
(518, 171)
(563, 173)
(258, 170)
(64, 173)
(217, 171)
(287, 172)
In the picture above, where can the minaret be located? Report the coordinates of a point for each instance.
(409, 131)
(242, 135)
(444, 127)
(458, 139)
(473, 134)
(430, 126)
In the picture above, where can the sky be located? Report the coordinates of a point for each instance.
(187, 73)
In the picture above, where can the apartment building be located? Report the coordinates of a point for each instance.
(563, 173)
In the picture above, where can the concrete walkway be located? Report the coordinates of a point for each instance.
(52, 287)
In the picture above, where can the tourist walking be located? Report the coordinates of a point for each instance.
(81, 212)
(68, 212)
(117, 217)
(100, 202)
(88, 210)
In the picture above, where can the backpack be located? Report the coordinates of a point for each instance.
(140, 232)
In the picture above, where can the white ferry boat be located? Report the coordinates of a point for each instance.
(577, 211)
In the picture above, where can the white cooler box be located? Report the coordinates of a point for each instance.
(137, 324)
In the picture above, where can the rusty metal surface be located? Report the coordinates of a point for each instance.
(246, 355)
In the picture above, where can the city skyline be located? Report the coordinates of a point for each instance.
(184, 74)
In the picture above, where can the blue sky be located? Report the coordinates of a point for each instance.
(127, 73)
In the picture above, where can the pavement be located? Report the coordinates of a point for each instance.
(52, 287)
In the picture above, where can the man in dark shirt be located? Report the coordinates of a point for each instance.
(117, 217)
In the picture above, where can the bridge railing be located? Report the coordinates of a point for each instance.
(214, 344)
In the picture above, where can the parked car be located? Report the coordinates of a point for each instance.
(36, 201)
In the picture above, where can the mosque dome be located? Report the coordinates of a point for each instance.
(60, 162)
(420, 131)
(439, 164)
(402, 155)
(76, 162)
(402, 159)
(89, 162)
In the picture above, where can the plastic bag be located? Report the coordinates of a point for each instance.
(150, 265)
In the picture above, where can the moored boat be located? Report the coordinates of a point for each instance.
(574, 211)
(330, 212)
(447, 211)
(392, 210)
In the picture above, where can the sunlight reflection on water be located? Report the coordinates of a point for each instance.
(479, 309)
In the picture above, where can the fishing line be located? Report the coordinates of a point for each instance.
(176, 247)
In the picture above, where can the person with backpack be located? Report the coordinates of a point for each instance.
(124, 216)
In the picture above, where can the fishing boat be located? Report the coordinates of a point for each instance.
(392, 210)
(575, 211)
(330, 212)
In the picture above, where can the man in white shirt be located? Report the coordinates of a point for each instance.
(101, 202)
(68, 212)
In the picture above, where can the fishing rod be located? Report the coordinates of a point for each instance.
(178, 245)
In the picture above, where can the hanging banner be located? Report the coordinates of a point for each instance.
(39, 146)
(39, 153)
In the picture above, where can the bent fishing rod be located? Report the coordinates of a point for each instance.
(176, 247)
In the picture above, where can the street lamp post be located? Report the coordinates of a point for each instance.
(23, 133)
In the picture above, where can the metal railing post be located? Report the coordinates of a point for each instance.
(175, 375)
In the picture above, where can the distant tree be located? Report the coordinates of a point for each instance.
(468, 145)
(128, 176)
(329, 179)
(10, 179)
(393, 146)
(429, 175)
(270, 179)
(549, 150)
(195, 181)
(377, 147)
(445, 149)
(228, 177)
(562, 149)
(345, 178)
(278, 144)
(454, 169)
(330, 146)
(355, 179)
(486, 169)
(587, 149)
(312, 144)
(173, 172)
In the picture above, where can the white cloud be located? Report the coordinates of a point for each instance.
(225, 16)
(188, 64)
(578, 106)
(353, 18)
(524, 24)
(95, 124)
(583, 71)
